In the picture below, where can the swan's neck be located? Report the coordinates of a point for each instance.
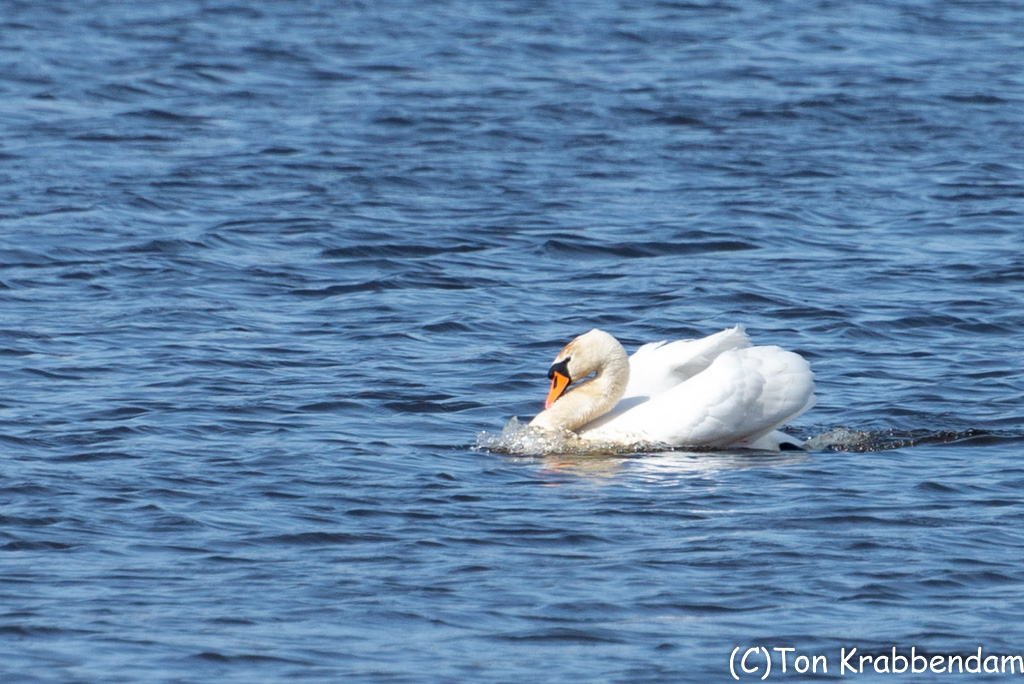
(590, 399)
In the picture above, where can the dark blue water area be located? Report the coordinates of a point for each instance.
(269, 270)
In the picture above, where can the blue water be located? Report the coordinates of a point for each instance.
(268, 271)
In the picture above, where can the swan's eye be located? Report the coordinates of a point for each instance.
(562, 368)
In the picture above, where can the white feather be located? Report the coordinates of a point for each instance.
(659, 366)
(718, 391)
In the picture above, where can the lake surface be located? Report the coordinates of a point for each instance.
(274, 276)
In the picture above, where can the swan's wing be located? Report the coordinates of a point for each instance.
(657, 367)
(742, 396)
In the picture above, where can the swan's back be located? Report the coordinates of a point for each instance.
(659, 366)
(721, 392)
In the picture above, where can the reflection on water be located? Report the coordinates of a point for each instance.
(664, 463)
(565, 453)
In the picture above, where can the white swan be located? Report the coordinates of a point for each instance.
(719, 391)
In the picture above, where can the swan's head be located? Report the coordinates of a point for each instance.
(589, 353)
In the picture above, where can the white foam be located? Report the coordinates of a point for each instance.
(520, 439)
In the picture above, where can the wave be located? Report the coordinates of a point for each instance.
(520, 439)
(847, 439)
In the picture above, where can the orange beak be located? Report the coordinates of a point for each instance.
(558, 384)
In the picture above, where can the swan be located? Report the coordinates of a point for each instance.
(718, 391)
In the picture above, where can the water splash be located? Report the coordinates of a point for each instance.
(520, 439)
(846, 439)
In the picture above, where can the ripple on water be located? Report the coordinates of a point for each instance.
(259, 291)
(519, 439)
